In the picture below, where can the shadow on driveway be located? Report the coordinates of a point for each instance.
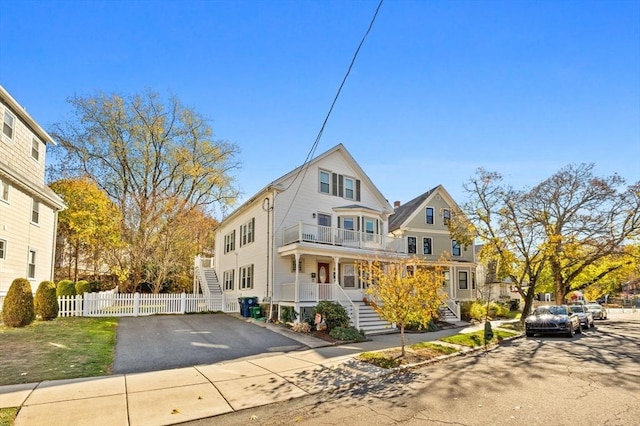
(164, 342)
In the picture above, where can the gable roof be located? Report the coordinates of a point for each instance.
(407, 211)
(279, 183)
(21, 112)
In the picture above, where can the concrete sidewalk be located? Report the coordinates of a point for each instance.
(179, 395)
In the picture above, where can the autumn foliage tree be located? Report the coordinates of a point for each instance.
(407, 291)
(158, 162)
(88, 229)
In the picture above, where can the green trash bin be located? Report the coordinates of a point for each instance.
(255, 312)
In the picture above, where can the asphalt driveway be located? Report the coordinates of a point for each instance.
(162, 342)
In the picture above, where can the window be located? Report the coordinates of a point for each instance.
(246, 277)
(349, 188)
(35, 211)
(462, 280)
(411, 245)
(429, 215)
(4, 190)
(300, 265)
(447, 279)
(371, 227)
(325, 182)
(446, 216)
(31, 269)
(230, 242)
(8, 125)
(35, 149)
(348, 276)
(349, 225)
(427, 245)
(246, 232)
(228, 279)
(455, 248)
(3, 249)
(324, 219)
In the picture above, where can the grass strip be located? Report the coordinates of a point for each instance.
(476, 338)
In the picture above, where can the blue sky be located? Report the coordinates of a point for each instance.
(439, 88)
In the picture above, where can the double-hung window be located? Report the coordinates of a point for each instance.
(463, 283)
(411, 245)
(35, 211)
(349, 187)
(246, 277)
(446, 216)
(427, 245)
(247, 232)
(31, 267)
(455, 248)
(3, 249)
(230, 242)
(4, 190)
(228, 279)
(8, 125)
(35, 149)
(429, 215)
(325, 182)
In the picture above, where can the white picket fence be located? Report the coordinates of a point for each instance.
(114, 304)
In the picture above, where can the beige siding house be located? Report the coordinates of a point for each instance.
(28, 207)
(422, 224)
(296, 241)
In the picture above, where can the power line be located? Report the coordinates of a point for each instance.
(303, 168)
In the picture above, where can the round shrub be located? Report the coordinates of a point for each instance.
(18, 309)
(65, 288)
(333, 313)
(350, 334)
(83, 287)
(46, 302)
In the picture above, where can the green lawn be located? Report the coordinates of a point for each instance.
(60, 349)
(476, 338)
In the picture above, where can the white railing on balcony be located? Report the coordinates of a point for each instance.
(306, 232)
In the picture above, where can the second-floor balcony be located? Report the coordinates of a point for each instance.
(312, 233)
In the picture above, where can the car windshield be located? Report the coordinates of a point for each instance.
(576, 309)
(553, 310)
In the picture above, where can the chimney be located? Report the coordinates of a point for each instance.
(396, 204)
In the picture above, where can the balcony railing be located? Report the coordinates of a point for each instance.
(311, 233)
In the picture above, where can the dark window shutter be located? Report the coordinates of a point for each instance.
(340, 186)
(334, 187)
(357, 190)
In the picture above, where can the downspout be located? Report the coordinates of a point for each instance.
(53, 248)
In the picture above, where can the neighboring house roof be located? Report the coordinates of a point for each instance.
(278, 184)
(405, 211)
(21, 111)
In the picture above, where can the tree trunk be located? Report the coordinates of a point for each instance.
(402, 340)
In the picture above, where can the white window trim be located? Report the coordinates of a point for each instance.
(35, 143)
(12, 127)
(228, 280)
(3, 251)
(328, 192)
(433, 214)
(29, 264)
(4, 189)
(245, 277)
(352, 189)
(430, 245)
(35, 211)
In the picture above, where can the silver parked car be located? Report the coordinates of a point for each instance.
(552, 319)
(585, 316)
(597, 310)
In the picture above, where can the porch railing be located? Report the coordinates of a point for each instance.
(315, 292)
(312, 233)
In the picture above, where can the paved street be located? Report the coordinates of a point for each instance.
(592, 379)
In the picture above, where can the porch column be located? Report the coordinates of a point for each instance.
(336, 266)
(297, 284)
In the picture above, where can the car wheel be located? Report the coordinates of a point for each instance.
(570, 332)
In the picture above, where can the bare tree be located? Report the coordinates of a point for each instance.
(156, 160)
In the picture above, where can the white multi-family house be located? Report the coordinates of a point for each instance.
(28, 207)
(296, 242)
(422, 224)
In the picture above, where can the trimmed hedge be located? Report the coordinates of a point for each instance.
(18, 310)
(46, 302)
(65, 288)
(333, 313)
(83, 287)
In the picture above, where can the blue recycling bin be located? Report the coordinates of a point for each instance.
(246, 303)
